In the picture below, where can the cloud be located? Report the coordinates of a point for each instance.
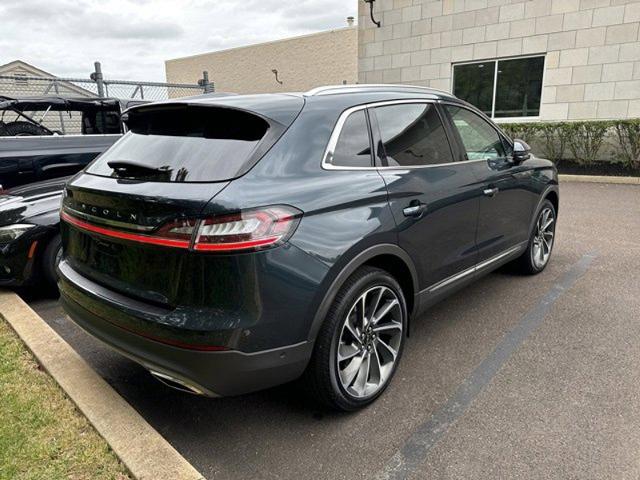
(133, 38)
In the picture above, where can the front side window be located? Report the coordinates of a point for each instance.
(412, 135)
(481, 141)
(353, 148)
(501, 88)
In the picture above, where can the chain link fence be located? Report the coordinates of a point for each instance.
(22, 85)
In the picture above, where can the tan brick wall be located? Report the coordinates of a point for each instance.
(592, 47)
(305, 62)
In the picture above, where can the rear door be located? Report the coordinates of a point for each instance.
(506, 203)
(432, 195)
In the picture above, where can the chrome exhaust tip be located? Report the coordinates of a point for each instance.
(175, 383)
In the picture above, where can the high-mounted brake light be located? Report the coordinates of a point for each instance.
(244, 231)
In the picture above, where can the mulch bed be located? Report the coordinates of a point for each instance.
(599, 168)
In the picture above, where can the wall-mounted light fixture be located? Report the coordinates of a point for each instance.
(275, 72)
(370, 2)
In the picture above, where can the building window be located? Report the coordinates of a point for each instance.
(501, 88)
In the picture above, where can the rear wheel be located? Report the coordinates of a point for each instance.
(360, 343)
(538, 253)
(50, 259)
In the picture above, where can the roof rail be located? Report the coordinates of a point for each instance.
(336, 89)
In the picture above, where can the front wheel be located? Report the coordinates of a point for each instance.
(538, 253)
(360, 343)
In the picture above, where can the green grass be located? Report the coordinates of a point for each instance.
(42, 434)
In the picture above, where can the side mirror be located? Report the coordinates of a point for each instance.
(521, 151)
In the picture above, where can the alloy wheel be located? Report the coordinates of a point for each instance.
(370, 342)
(543, 238)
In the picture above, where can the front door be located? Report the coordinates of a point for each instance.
(432, 196)
(507, 203)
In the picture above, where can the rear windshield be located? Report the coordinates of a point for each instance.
(183, 144)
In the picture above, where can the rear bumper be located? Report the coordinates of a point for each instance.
(212, 373)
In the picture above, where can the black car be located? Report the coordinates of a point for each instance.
(29, 233)
(233, 244)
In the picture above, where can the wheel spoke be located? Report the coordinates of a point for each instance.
(363, 311)
(360, 383)
(375, 367)
(346, 352)
(388, 348)
(353, 331)
(350, 371)
(388, 326)
(374, 309)
(384, 310)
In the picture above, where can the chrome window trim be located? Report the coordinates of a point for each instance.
(337, 130)
(477, 267)
(367, 87)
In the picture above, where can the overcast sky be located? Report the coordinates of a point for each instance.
(132, 39)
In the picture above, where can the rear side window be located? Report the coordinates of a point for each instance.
(412, 135)
(353, 148)
(183, 144)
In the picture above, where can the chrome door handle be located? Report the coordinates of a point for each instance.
(414, 210)
(490, 192)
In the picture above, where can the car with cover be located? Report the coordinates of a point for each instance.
(32, 150)
(233, 244)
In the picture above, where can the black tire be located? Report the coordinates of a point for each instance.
(321, 377)
(24, 129)
(50, 259)
(525, 264)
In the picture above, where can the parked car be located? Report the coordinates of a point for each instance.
(233, 244)
(30, 234)
(30, 151)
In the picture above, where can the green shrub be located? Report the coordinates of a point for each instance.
(585, 140)
(582, 141)
(628, 145)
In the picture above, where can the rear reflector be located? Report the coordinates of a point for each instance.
(246, 230)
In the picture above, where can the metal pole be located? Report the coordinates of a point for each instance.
(55, 87)
(207, 86)
(97, 77)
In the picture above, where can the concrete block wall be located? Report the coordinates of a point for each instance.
(592, 48)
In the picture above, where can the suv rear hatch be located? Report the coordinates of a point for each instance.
(127, 219)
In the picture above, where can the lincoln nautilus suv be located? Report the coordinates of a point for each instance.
(231, 244)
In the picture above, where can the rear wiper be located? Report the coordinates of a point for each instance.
(126, 168)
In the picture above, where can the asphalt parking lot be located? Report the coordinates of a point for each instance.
(513, 377)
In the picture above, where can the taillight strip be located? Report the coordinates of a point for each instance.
(165, 242)
(221, 247)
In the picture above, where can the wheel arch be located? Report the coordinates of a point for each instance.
(388, 257)
(550, 193)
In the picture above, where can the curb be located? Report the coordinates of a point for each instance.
(139, 446)
(599, 179)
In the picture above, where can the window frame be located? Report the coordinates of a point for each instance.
(374, 137)
(497, 61)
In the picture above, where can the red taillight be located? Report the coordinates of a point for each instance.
(246, 230)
